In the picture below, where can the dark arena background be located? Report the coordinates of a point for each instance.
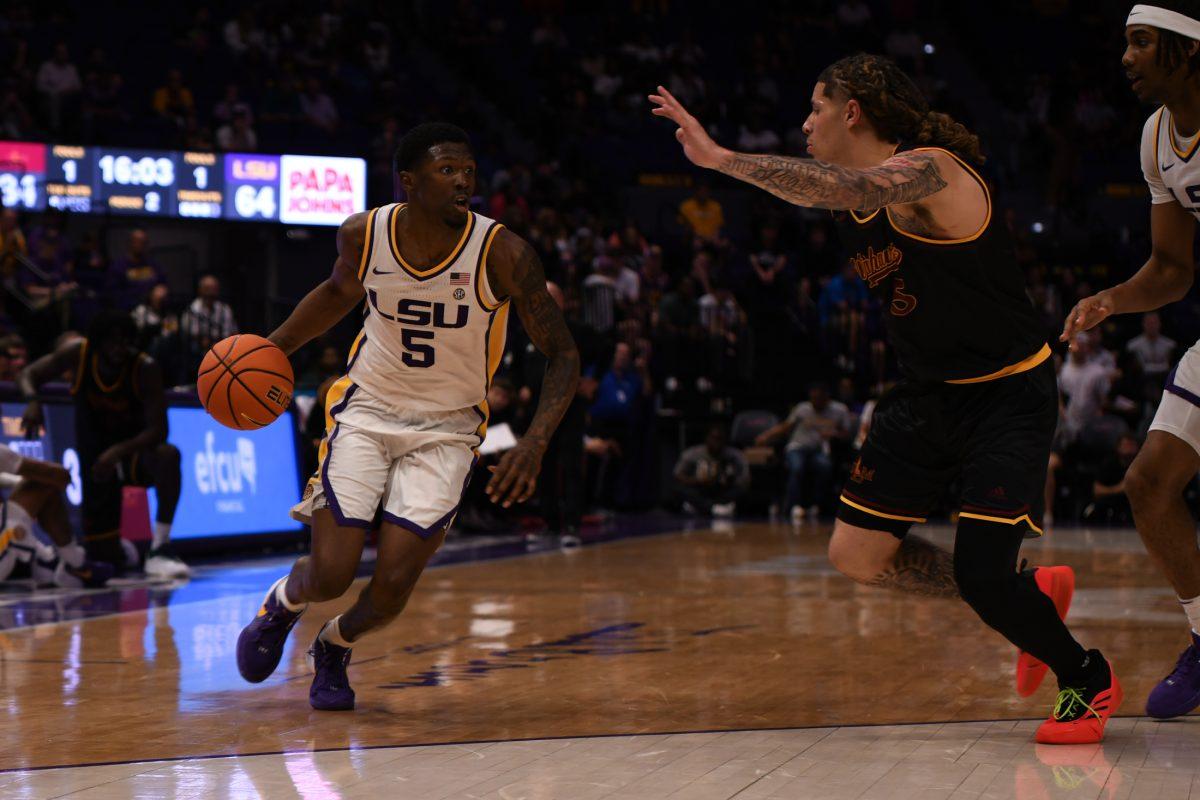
(661, 618)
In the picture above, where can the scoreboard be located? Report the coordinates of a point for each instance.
(291, 189)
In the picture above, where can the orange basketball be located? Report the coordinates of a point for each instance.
(245, 382)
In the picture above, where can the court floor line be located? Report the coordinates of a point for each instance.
(625, 734)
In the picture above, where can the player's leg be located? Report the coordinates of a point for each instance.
(1011, 428)
(424, 491)
(899, 475)
(160, 468)
(340, 504)
(67, 564)
(1155, 484)
(101, 513)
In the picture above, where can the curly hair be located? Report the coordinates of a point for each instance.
(895, 106)
(1173, 47)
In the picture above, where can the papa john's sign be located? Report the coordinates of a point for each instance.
(321, 190)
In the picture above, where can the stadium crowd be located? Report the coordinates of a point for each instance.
(731, 355)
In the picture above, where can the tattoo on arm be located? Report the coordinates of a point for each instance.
(543, 321)
(920, 568)
(901, 179)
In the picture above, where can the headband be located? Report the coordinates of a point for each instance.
(1165, 19)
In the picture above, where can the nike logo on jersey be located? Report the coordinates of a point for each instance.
(1166, 167)
(376, 271)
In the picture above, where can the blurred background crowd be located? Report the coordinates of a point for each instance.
(732, 357)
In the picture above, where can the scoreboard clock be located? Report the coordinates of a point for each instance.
(299, 190)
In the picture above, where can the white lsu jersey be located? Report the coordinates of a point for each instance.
(1171, 171)
(431, 338)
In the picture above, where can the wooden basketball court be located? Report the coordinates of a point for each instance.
(497, 678)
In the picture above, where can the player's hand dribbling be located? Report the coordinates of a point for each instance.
(515, 477)
(1087, 314)
(698, 146)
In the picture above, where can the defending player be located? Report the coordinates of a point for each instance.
(978, 399)
(403, 424)
(1162, 60)
(121, 432)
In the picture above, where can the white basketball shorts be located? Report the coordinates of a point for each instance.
(1179, 411)
(408, 467)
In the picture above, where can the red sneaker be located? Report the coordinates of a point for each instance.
(1081, 712)
(1058, 583)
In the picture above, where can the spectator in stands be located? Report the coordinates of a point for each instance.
(229, 105)
(711, 477)
(155, 319)
(1110, 504)
(13, 245)
(207, 320)
(813, 427)
(600, 294)
(1153, 351)
(236, 136)
(703, 214)
(620, 392)
(16, 120)
(134, 273)
(1084, 382)
(90, 270)
(173, 101)
(318, 108)
(14, 355)
(103, 101)
(59, 85)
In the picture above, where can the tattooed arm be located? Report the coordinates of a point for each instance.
(904, 178)
(515, 271)
(919, 568)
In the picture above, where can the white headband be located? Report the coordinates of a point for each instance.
(1167, 20)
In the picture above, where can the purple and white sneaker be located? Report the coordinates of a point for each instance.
(1178, 693)
(330, 689)
(260, 645)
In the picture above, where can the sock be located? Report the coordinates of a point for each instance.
(332, 633)
(162, 532)
(1192, 609)
(73, 554)
(281, 596)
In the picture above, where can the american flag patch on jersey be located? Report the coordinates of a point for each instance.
(460, 278)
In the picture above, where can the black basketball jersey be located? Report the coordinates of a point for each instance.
(106, 413)
(955, 310)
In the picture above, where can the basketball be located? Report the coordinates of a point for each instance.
(245, 382)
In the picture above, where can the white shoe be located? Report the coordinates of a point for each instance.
(162, 562)
(724, 509)
(797, 515)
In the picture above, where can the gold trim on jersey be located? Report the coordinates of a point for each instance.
(863, 220)
(335, 395)
(1157, 139)
(1012, 369)
(497, 331)
(80, 367)
(987, 220)
(100, 383)
(1191, 148)
(481, 269)
(368, 245)
(1003, 520)
(875, 513)
(425, 274)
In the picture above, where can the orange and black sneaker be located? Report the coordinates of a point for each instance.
(1083, 710)
(1058, 583)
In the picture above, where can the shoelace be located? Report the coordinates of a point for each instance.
(327, 657)
(1068, 703)
(1189, 656)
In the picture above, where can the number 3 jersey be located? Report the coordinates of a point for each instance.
(431, 338)
(1167, 163)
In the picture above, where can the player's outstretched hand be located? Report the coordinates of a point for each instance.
(698, 146)
(1087, 314)
(515, 477)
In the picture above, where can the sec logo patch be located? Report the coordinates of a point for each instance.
(459, 294)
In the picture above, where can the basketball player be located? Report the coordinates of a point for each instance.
(1162, 59)
(403, 424)
(121, 433)
(39, 496)
(978, 396)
